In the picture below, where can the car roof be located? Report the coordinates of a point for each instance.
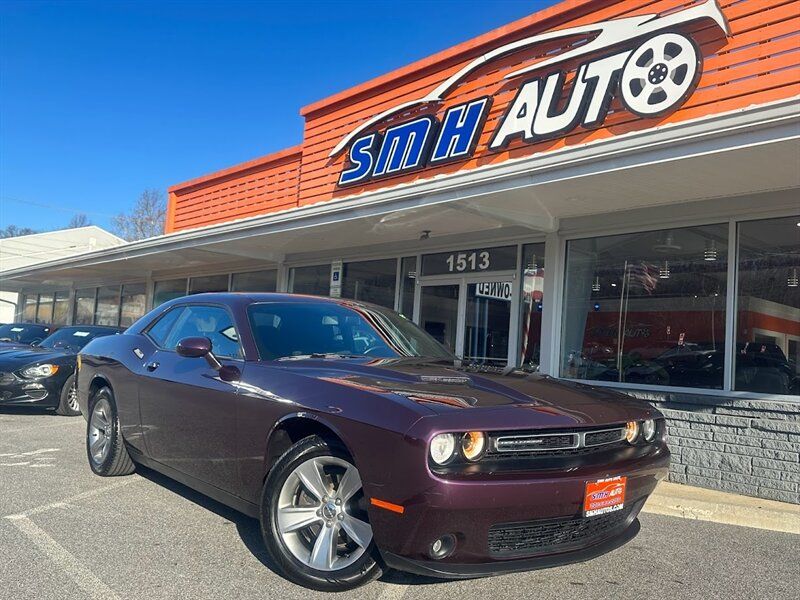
(251, 297)
(92, 328)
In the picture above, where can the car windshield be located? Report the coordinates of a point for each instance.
(73, 339)
(286, 330)
(24, 333)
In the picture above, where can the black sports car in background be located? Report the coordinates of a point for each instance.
(43, 375)
(22, 334)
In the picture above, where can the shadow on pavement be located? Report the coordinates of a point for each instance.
(27, 410)
(249, 529)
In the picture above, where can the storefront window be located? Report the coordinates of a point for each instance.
(84, 306)
(532, 295)
(370, 281)
(767, 355)
(29, 308)
(647, 308)
(315, 280)
(133, 303)
(209, 283)
(439, 313)
(107, 311)
(61, 308)
(45, 312)
(408, 280)
(255, 281)
(168, 290)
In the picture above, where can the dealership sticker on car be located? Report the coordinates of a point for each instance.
(604, 496)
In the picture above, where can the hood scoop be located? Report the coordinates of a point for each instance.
(445, 379)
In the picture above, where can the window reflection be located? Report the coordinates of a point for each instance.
(255, 281)
(532, 295)
(768, 307)
(315, 280)
(168, 290)
(647, 308)
(408, 279)
(370, 281)
(84, 306)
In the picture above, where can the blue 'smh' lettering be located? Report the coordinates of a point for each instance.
(362, 157)
(459, 130)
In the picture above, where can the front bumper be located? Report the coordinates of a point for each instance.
(17, 391)
(449, 570)
(470, 510)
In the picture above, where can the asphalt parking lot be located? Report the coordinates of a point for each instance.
(65, 533)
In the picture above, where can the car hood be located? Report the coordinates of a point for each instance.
(17, 358)
(447, 388)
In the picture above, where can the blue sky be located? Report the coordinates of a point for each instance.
(100, 100)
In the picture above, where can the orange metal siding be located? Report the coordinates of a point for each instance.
(256, 187)
(758, 63)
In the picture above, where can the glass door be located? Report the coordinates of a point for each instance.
(470, 316)
(438, 313)
(486, 322)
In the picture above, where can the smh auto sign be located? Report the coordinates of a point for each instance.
(643, 60)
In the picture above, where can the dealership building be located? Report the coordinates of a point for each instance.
(605, 192)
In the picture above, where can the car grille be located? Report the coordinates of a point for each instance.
(554, 535)
(558, 443)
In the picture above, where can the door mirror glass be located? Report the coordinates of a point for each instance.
(194, 347)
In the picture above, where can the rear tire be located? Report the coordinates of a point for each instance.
(68, 404)
(105, 448)
(315, 528)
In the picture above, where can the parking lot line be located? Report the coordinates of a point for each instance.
(34, 427)
(67, 501)
(76, 570)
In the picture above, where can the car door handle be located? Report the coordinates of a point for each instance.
(151, 366)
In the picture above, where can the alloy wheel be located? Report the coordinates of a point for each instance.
(100, 431)
(72, 398)
(321, 516)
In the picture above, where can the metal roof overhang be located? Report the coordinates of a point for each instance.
(734, 154)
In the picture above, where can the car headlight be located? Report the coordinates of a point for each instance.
(443, 447)
(39, 371)
(649, 430)
(632, 432)
(473, 443)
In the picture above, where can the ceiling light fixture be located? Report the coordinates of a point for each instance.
(710, 253)
(792, 281)
(596, 284)
(663, 272)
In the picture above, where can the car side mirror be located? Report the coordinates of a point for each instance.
(194, 347)
(200, 347)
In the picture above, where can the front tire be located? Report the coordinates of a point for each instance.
(314, 519)
(68, 403)
(105, 447)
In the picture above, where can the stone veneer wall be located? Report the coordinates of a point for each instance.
(749, 447)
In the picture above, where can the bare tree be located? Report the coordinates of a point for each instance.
(14, 231)
(145, 220)
(78, 220)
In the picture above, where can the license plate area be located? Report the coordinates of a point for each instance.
(604, 496)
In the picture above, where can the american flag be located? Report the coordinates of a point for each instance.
(643, 276)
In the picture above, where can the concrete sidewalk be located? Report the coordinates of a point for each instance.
(677, 500)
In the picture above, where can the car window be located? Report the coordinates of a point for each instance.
(285, 330)
(212, 322)
(74, 338)
(159, 331)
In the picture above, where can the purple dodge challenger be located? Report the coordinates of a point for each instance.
(360, 443)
